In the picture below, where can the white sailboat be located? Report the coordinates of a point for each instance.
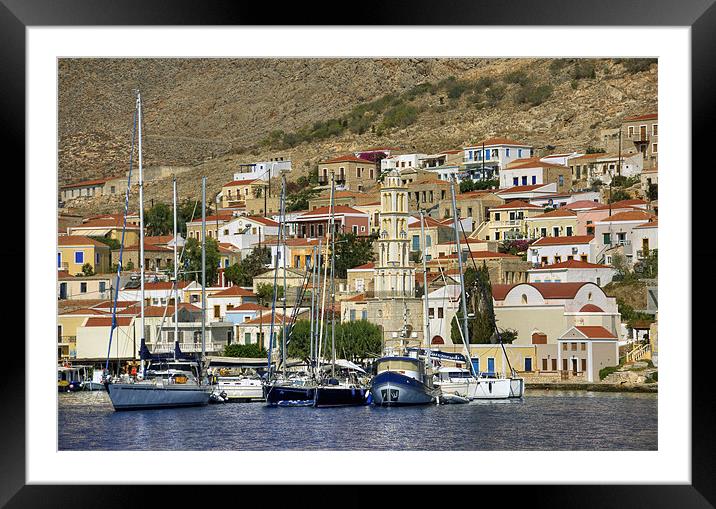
(165, 382)
(470, 383)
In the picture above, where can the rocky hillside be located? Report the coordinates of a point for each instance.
(214, 114)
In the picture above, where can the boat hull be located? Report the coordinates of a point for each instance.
(287, 395)
(332, 396)
(517, 387)
(139, 396)
(395, 389)
(490, 388)
(241, 390)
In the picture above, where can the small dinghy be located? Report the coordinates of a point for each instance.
(453, 399)
(218, 397)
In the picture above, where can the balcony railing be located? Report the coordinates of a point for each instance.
(638, 137)
(507, 223)
(66, 340)
(189, 347)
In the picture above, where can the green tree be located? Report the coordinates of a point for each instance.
(244, 272)
(87, 270)
(481, 326)
(352, 251)
(264, 292)
(618, 195)
(192, 260)
(237, 350)
(653, 192)
(159, 219)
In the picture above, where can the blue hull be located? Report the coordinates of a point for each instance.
(286, 395)
(394, 389)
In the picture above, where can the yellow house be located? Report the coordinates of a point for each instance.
(555, 223)
(73, 251)
(67, 324)
(352, 172)
(214, 225)
(508, 221)
(371, 208)
(236, 192)
(109, 226)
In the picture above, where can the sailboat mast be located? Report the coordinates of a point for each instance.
(425, 280)
(203, 266)
(141, 212)
(313, 301)
(333, 276)
(176, 270)
(285, 266)
(463, 298)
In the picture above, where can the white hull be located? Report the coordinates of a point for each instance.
(479, 388)
(138, 396)
(517, 387)
(240, 389)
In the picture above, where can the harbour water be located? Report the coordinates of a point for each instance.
(554, 420)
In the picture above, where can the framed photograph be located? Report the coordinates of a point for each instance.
(319, 215)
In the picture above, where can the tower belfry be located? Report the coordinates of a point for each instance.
(394, 276)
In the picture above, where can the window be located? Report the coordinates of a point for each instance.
(507, 152)
(112, 190)
(574, 346)
(102, 286)
(534, 179)
(515, 181)
(557, 259)
(654, 129)
(497, 235)
(555, 231)
(353, 315)
(441, 313)
(524, 298)
(487, 155)
(584, 346)
(416, 243)
(654, 148)
(83, 287)
(561, 180)
(431, 313)
(524, 180)
(497, 216)
(569, 231)
(247, 338)
(564, 347)
(355, 229)
(59, 260)
(630, 130)
(217, 311)
(364, 315)
(584, 364)
(543, 232)
(362, 229)
(607, 238)
(79, 257)
(519, 152)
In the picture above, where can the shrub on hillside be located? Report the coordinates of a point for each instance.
(635, 65)
(533, 95)
(401, 115)
(584, 69)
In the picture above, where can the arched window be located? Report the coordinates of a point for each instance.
(524, 298)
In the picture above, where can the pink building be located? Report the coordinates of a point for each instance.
(588, 214)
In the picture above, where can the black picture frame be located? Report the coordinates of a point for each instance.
(700, 15)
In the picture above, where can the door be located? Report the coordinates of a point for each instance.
(554, 364)
(491, 365)
(476, 365)
(528, 364)
(63, 290)
(574, 367)
(544, 364)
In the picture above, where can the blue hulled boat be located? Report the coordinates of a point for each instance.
(402, 381)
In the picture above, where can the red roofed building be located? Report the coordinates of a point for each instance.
(218, 303)
(534, 172)
(509, 221)
(616, 233)
(553, 250)
(640, 133)
(314, 223)
(546, 315)
(351, 173)
(236, 192)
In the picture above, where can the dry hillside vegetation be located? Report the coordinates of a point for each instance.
(213, 114)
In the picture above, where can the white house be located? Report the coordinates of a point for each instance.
(646, 238)
(401, 161)
(264, 170)
(443, 304)
(571, 271)
(527, 193)
(564, 199)
(553, 250)
(485, 159)
(244, 232)
(617, 232)
(220, 302)
(157, 293)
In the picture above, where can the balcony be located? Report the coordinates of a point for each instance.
(510, 223)
(638, 138)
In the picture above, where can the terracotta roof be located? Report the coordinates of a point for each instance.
(365, 266)
(106, 222)
(121, 304)
(534, 164)
(596, 155)
(348, 158)
(519, 189)
(582, 204)
(235, 183)
(84, 311)
(165, 285)
(122, 321)
(595, 332)
(474, 194)
(79, 240)
(358, 298)
(263, 220)
(265, 319)
(516, 204)
(158, 239)
(547, 290)
(233, 291)
(338, 209)
(148, 247)
(563, 241)
(654, 223)
(573, 264)
(221, 217)
(648, 116)
(429, 223)
(87, 183)
(591, 308)
(633, 215)
(249, 306)
(556, 213)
